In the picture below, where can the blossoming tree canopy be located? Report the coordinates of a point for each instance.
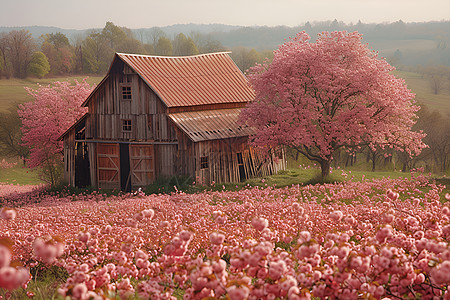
(54, 109)
(333, 93)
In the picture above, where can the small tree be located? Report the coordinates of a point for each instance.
(331, 94)
(184, 46)
(10, 135)
(39, 65)
(164, 47)
(54, 109)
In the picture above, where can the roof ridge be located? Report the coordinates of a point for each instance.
(185, 56)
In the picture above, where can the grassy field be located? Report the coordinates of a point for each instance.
(292, 176)
(19, 175)
(289, 177)
(424, 94)
(13, 90)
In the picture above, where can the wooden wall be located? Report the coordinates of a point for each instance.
(69, 157)
(147, 113)
(232, 160)
(142, 169)
(108, 166)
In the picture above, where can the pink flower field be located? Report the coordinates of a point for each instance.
(377, 239)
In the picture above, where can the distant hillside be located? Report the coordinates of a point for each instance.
(37, 31)
(408, 43)
(172, 30)
(189, 28)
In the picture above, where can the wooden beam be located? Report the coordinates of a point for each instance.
(126, 142)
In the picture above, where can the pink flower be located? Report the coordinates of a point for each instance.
(260, 223)
(84, 236)
(131, 222)
(288, 283)
(8, 213)
(219, 266)
(336, 215)
(304, 236)
(5, 256)
(185, 235)
(47, 251)
(12, 278)
(238, 293)
(217, 238)
(148, 213)
(383, 234)
(79, 291)
(392, 195)
(441, 273)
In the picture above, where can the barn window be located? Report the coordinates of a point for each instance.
(126, 125)
(240, 160)
(126, 92)
(204, 162)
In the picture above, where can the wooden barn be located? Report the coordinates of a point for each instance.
(157, 117)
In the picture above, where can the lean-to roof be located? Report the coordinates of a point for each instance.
(211, 124)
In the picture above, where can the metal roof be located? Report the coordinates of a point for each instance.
(211, 124)
(192, 80)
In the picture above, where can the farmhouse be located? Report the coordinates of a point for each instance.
(156, 117)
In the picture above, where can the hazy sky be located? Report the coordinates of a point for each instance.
(83, 14)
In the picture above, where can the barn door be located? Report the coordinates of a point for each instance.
(125, 175)
(240, 161)
(82, 172)
(141, 165)
(108, 165)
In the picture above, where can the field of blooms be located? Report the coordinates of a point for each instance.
(376, 239)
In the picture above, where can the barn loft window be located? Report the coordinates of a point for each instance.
(126, 92)
(126, 125)
(204, 162)
(240, 160)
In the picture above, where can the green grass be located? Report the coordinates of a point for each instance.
(295, 176)
(424, 94)
(312, 176)
(44, 284)
(19, 175)
(13, 91)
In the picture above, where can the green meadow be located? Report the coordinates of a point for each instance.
(420, 85)
(12, 91)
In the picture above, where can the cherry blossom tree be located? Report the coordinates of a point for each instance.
(333, 93)
(54, 109)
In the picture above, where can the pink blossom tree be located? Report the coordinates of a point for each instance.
(333, 93)
(54, 109)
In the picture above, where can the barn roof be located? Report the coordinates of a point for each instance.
(192, 80)
(211, 124)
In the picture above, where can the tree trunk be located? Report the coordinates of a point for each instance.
(374, 159)
(325, 167)
(405, 166)
(346, 161)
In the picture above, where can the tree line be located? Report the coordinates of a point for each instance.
(53, 54)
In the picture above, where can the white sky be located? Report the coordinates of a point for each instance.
(84, 14)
